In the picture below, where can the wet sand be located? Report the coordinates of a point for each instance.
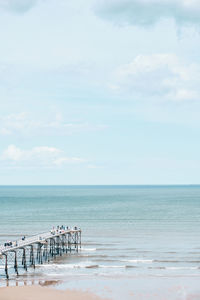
(43, 293)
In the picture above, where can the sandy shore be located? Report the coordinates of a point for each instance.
(42, 293)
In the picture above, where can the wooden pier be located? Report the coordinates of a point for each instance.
(40, 248)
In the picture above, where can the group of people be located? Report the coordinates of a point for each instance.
(13, 244)
(61, 229)
(10, 244)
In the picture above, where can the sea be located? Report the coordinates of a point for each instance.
(142, 241)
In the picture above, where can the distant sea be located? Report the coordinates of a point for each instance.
(127, 231)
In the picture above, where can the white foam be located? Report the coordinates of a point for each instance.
(85, 265)
(110, 267)
(69, 266)
(88, 249)
(182, 268)
(144, 261)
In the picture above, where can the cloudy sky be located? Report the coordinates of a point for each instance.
(99, 92)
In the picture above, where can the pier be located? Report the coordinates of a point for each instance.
(39, 249)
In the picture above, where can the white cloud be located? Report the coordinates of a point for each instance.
(162, 76)
(12, 153)
(18, 6)
(41, 157)
(145, 12)
(24, 124)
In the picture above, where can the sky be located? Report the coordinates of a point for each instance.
(99, 92)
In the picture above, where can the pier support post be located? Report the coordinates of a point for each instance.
(24, 259)
(69, 242)
(76, 241)
(45, 251)
(51, 247)
(63, 243)
(58, 246)
(6, 266)
(15, 264)
(66, 243)
(32, 258)
(39, 254)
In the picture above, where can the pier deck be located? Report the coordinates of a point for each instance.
(40, 248)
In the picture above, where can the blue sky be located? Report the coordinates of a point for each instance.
(99, 92)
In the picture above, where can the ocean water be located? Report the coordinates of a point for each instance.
(128, 232)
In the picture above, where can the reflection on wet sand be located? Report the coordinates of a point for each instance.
(22, 282)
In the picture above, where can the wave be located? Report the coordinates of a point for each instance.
(181, 268)
(97, 244)
(116, 249)
(94, 256)
(157, 268)
(160, 261)
(88, 249)
(67, 266)
(107, 260)
(146, 261)
(174, 268)
(176, 261)
(88, 265)
(112, 267)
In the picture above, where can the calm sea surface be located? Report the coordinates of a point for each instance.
(149, 231)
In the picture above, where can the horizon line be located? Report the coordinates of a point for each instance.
(96, 185)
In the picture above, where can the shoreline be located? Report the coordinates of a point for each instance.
(41, 292)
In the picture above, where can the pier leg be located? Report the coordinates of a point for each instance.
(54, 248)
(6, 266)
(52, 242)
(37, 256)
(40, 254)
(60, 246)
(66, 244)
(45, 252)
(63, 244)
(24, 259)
(48, 251)
(50, 247)
(15, 265)
(75, 244)
(32, 259)
(41, 259)
(76, 239)
(69, 242)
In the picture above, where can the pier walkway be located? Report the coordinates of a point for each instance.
(39, 248)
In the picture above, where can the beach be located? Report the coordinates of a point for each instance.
(37, 292)
(110, 289)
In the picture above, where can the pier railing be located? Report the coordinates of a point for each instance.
(39, 248)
